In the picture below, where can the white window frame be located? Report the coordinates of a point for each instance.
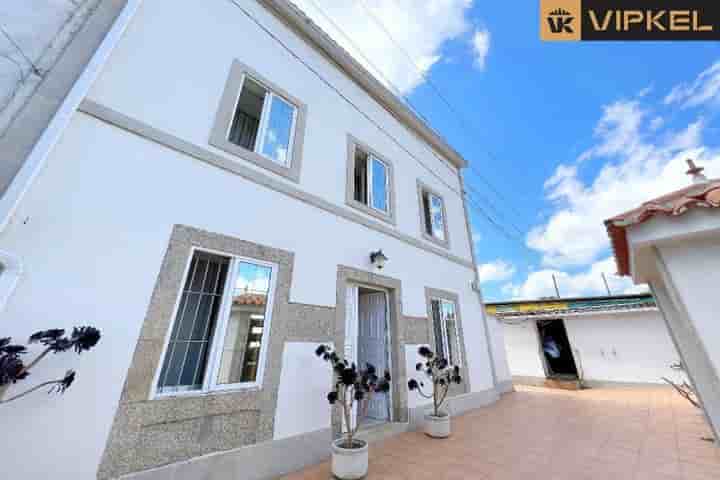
(423, 191)
(371, 185)
(214, 358)
(270, 94)
(443, 329)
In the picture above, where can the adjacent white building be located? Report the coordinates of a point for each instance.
(617, 340)
(672, 243)
(206, 182)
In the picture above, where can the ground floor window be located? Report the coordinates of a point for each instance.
(220, 331)
(445, 328)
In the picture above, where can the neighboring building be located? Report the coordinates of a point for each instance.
(672, 243)
(208, 194)
(601, 340)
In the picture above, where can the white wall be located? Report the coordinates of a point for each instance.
(92, 231)
(521, 345)
(694, 266)
(632, 347)
(304, 383)
(498, 349)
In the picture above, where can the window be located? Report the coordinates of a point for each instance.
(369, 182)
(263, 122)
(220, 330)
(433, 219)
(260, 123)
(445, 329)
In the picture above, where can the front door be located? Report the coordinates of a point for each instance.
(373, 345)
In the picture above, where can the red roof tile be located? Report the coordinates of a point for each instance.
(702, 195)
(249, 299)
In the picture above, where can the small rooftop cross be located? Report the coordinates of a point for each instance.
(696, 172)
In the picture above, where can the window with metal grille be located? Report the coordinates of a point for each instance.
(219, 334)
(447, 340)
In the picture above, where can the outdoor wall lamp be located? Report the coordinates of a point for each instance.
(378, 259)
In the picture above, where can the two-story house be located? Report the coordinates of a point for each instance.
(212, 191)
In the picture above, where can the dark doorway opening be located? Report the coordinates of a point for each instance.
(556, 349)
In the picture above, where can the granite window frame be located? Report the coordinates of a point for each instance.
(219, 135)
(353, 144)
(437, 294)
(424, 189)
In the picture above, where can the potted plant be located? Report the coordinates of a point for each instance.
(352, 391)
(442, 375)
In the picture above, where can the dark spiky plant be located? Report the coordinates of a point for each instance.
(13, 369)
(441, 375)
(352, 386)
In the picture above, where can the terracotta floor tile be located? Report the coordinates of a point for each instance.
(536, 433)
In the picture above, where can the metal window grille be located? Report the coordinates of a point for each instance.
(188, 350)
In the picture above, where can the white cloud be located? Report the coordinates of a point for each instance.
(704, 89)
(588, 282)
(420, 30)
(639, 164)
(495, 271)
(481, 47)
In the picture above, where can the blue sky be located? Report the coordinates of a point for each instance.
(562, 135)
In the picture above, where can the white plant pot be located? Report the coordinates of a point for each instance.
(437, 427)
(349, 463)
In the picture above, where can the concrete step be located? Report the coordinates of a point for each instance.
(562, 384)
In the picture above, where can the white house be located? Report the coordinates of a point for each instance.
(672, 243)
(616, 340)
(206, 183)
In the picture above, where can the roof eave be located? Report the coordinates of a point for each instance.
(317, 38)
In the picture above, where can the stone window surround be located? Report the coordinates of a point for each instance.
(390, 217)
(434, 293)
(140, 415)
(226, 112)
(421, 188)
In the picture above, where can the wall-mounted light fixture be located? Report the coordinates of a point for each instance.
(378, 259)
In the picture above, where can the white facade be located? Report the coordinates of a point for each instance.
(93, 228)
(680, 258)
(619, 347)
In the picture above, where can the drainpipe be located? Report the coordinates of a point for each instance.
(38, 156)
(476, 283)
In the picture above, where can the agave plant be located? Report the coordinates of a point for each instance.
(352, 386)
(441, 374)
(14, 369)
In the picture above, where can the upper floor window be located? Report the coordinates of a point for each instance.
(260, 123)
(433, 218)
(220, 332)
(445, 329)
(370, 178)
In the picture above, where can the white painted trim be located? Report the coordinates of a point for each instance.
(10, 271)
(40, 152)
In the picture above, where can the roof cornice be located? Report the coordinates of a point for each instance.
(301, 24)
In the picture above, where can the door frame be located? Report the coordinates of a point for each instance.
(388, 337)
(347, 276)
(541, 351)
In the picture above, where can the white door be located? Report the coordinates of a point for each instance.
(373, 346)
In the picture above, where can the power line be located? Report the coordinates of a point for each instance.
(378, 70)
(344, 97)
(295, 55)
(34, 68)
(458, 115)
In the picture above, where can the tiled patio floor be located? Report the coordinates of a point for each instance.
(535, 433)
